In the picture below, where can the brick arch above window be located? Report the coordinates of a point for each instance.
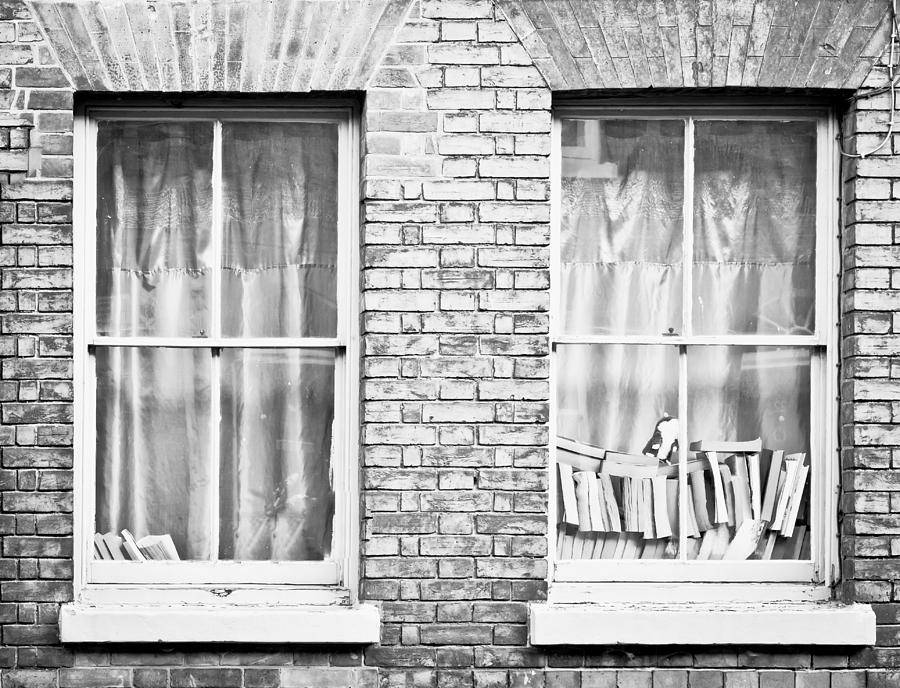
(593, 44)
(174, 45)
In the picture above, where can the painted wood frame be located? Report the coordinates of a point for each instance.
(580, 580)
(332, 581)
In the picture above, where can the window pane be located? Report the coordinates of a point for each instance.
(754, 227)
(153, 442)
(610, 397)
(739, 394)
(277, 498)
(154, 201)
(280, 246)
(622, 220)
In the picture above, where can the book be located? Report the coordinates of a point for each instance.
(159, 547)
(578, 462)
(699, 499)
(634, 546)
(581, 448)
(753, 469)
(596, 510)
(100, 544)
(785, 489)
(631, 459)
(728, 489)
(715, 543)
(787, 527)
(661, 523)
(131, 547)
(748, 447)
(567, 489)
(768, 505)
(98, 553)
(608, 500)
(745, 540)
(114, 545)
(568, 543)
(740, 485)
(720, 513)
(632, 493)
(646, 520)
(582, 501)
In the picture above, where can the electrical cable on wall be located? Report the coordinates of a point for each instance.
(891, 87)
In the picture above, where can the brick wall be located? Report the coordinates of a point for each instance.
(455, 393)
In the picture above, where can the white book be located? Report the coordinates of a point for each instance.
(567, 488)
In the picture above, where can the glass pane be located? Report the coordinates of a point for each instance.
(277, 498)
(757, 506)
(754, 228)
(153, 447)
(280, 246)
(622, 220)
(617, 492)
(154, 213)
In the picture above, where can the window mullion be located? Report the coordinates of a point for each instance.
(215, 411)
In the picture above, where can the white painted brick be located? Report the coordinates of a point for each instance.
(511, 77)
(495, 32)
(456, 412)
(400, 257)
(515, 166)
(460, 99)
(512, 300)
(461, 76)
(459, 167)
(526, 144)
(515, 54)
(459, 31)
(458, 234)
(465, 145)
(457, 212)
(399, 300)
(515, 122)
(460, 122)
(538, 99)
(442, 53)
(447, 190)
(457, 301)
(513, 212)
(394, 433)
(400, 211)
(394, 166)
(532, 190)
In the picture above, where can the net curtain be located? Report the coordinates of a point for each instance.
(752, 272)
(154, 278)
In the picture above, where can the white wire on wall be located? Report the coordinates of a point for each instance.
(891, 87)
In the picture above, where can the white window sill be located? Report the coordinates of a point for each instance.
(357, 625)
(812, 623)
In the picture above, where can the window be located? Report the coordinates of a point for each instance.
(693, 335)
(215, 334)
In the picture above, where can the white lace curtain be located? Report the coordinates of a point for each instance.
(752, 271)
(155, 260)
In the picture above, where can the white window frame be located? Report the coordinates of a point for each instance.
(332, 581)
(574, 581)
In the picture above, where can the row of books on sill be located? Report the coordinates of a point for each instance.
(127, 548)
(743, 502)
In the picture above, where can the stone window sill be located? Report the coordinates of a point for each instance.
(357, 625)
(810, 623)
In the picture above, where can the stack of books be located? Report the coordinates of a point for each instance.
(126, 548)
(743, 502)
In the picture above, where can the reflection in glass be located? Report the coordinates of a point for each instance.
(622, 224)
(276, 494)
(754, 227)
(280, 246)
(154, 214)
(740, 394)
(611, 398)
(153, 444)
